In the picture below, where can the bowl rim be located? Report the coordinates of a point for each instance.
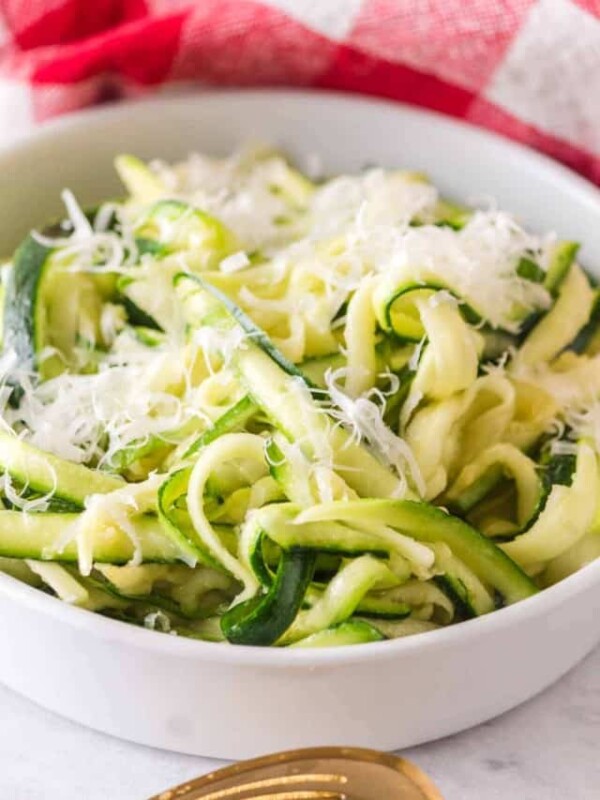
(128, 634)
(84, 117)
(459, 634)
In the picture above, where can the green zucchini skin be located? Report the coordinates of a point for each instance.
(287, 403)
(496, 343)
(376, 608)
(137, 316)
(264, 619)
(588, 337)
(233, 419)
(259, 563)
(34, 535)
(561, 262)
(427, 523)
(456, 590)
(395, 403)
(353, 631)
(268, 377)
(559, 469)
(151, 247)
(147, 602)
(554, 470)
(19, 325)
(476, 492)
(314, 369)
(530, 270)
(20, 332)
(175, 521)
(46, 307)
(254, 333)
(219, 241)
(563, 257)
(415, 331)
(68, 483)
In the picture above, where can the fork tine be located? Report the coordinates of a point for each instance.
(277, 783)
(321, 773)
(308, 795)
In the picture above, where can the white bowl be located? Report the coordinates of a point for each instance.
(234, 702)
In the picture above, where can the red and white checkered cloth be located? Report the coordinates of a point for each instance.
(529, 69)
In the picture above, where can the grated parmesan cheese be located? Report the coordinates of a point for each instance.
(584, 423)
(234, 262)
(158, 621)
(364, 419)
(87, 418)
(150, 383)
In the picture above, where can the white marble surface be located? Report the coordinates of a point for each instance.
(545, 750)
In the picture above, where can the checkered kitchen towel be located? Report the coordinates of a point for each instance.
(529, 69)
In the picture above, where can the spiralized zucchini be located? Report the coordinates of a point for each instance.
(241, 405)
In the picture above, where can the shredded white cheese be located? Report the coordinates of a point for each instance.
(234, 262)
(136, 394)
(158, 621)
(584, 423)
(363, 417)
(132, 397)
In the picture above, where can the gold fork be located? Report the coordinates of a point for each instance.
(318, 773)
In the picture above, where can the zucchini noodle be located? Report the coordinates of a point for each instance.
(241, 406)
